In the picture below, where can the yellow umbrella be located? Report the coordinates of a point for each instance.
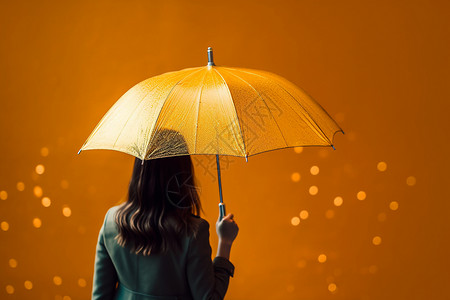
(216, 110)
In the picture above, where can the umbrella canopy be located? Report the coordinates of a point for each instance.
(217, 110)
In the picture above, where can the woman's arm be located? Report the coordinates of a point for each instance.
(105, 275)
(208, 280)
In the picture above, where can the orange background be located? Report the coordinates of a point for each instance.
(380, 68)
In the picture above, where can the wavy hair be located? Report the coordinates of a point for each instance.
(162, 197)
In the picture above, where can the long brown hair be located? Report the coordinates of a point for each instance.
(162, 197)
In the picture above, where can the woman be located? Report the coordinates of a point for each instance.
(156, 246)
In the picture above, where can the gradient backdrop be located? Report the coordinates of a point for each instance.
(366, 221)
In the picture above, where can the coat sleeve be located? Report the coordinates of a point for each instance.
(207, 280)
(105, 275)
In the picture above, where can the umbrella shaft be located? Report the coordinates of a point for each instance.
(219, 179)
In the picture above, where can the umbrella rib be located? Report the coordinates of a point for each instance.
(239, 124)
(198, 112)
(134, 110)
(321, 131)
(279, 129)
(162, 107)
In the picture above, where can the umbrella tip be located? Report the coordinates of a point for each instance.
(210, 57)
(79, 151)
(333, 147)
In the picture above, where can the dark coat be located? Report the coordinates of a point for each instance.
(186, 275)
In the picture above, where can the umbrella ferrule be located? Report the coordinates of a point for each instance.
(210, 57)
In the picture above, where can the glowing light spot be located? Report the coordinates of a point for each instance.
(298, 150)
(301, 264)
(381, 166)
(373, 269)
(9, 289)
(64, 184)
(67, 298)
(376, 240)
(313, 190)
(314, 170)
(329, 214)
(46, 202)
(361, 195)
(37, 190)
(3, 195)
(295, 177)
(82, 282)
(44, 151)
(20, 186)
(12, 263)
(28, 284)
(37, 222)
(67, 212)
(332, 287)
(57, 280)
(322, 258)
(40, 169)
(393, 205)
(382, 217)
(304, 214)
(295, 221)
(411, 180)
(5, 226)
(338, 201)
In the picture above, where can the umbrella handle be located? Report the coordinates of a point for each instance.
(222, 212)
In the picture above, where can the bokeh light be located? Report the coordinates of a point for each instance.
(12, 263)
(381, 166)
(373, 269)
(329, 214)
(67, 298)
(64, 184)
(44, 151)
(298, 149)
(295, 221)
(3, 195)
(20, 186)
(40, 169)
(301, 263)
(37, 190)
(322, 258)
(28, 284)
(338, 201)
(4, 225)
(304, 214)
(57, 280)
(295, 177)
(314, 170)
(46, 202)
(37, 222)
(361, 195)
(67, 212)
(393, 205)
(9, 289)
(82, 282)
(411, 180)
(313, 190)
(332, 287)
(382, 217)
(376, 240)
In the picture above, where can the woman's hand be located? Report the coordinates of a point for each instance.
(227, 229)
